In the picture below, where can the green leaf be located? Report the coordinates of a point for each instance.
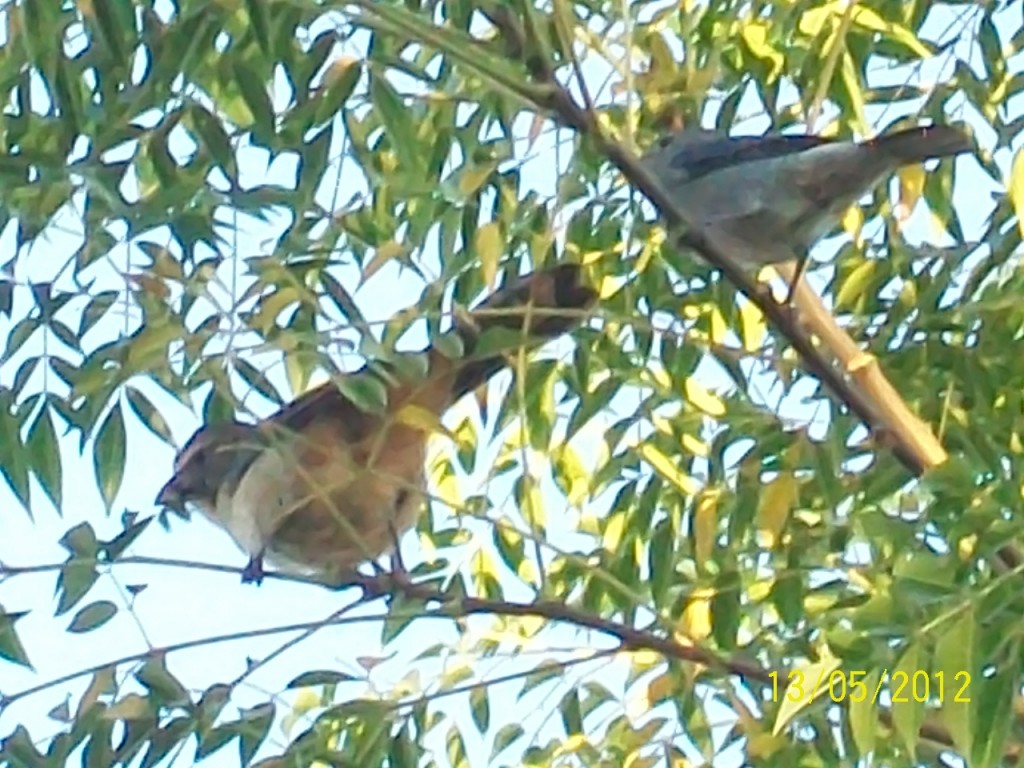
(76, 578)
(113, 549)
(260, 25)
(11, 647)
(505, 738)
(256, 379)
(572, 715)
(92, 616)
(396, 116)
(110, 454)
(13, 466)
(953, 668)
(44, 456)
(725, 608)
(994, 698)
(212, 135)
(254, 92)
(479, 708)
(907, 709)
(320, 677)
(212, 703)
(164, 687)
(366, 391)
(81, 541)
(339, 83)
(20, 749)
(253, 727)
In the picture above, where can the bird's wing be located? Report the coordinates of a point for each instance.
(699, 153)
(325, 402)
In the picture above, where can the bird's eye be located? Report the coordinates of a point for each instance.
(192, 455)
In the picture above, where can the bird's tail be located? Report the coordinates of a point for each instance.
(915, 145)
(532, 309)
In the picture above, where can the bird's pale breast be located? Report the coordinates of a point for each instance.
(338, 504)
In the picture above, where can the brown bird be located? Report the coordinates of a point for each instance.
(322, 485)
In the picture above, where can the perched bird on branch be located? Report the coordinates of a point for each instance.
(322, 485)
(768, 199)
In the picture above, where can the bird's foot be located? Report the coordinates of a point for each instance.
(253, 572)
(798, 275)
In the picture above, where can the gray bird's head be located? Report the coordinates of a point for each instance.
(214, 458)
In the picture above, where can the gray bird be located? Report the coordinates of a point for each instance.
(768, 199)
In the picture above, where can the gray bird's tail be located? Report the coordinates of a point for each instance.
(915, 145)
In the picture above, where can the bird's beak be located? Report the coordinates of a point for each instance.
(170, 496)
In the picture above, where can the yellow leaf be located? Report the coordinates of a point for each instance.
(131, 707)
(489, 245)
(482, 564)
(663, 66)
(908, 294)
(764, 745)
(660, 688)
(455, 675)
(271, 305)
(423, 419)
(755, 36)
(444, 482)
(777, 501)
(574, 475)
(148, 349)
(614, 528)
(813, 20)
(705, 524)
(719, 328)
(853, 222)
(696, 623)
(166, 265)
(384, 253)
(297, 372)
(532, 506)
(642, 660)
(703, 399)
(663, 465)
(472, 178)
(1015, 189)
(870, 20)
(338, 68)
(911, 186)
(805, 684)
(854, 285)
(752, 326)
(696, 446)
(306, 701)
(967, 548)
(465, 435)
(853, 81)
(610, 285)
(660, 378)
